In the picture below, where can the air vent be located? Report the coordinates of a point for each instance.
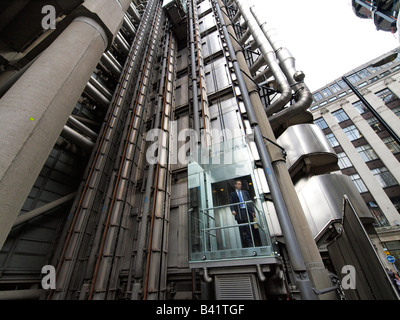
(236, 287)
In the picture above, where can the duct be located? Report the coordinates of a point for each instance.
(122, 43)
(80, 126)
(76, 138)
(111, 236)
(29, 294)
(296, 113)
(102, 101)
(111, 63)
(22, 218)
(257, 64)
(84, 214)
(150, 178)
(270, 57)
(245, 36)
(293, 246)
(196, 118)
(129, 26)
(133, 12)
(262, 76)
(103, 90)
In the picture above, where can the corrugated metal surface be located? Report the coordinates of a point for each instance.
(236, 287)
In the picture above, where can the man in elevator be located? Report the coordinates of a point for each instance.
(243, 212)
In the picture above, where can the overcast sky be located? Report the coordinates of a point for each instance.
(326, 38)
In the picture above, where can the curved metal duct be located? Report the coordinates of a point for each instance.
(270, 57)
(296, 113)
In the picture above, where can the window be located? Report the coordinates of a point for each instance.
(386, 95)
(320, 122)
(373, 79)
(340, 115)
(352, 132)
(361, 187)
(384, 177)
(335, 88)
(344, 161)
(363, 73)
(396, 202)
(360, 107)
(317, 96)
(367, 153)
(332, 139)
(375, 124)
(326, 92)
(378, 214)
(392, 145)
(342, 84)
(353, 78)
(396, 111)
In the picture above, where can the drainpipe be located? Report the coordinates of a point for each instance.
(270, 57)
(293, 247)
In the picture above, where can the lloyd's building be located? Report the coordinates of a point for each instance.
(125, 127)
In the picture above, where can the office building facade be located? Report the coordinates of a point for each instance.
(366, 140)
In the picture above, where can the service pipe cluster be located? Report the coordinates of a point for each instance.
(281, 65)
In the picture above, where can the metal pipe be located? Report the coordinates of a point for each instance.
(133, 12)
(270, 57)
(206, 277)
(263, 75)
(295, 78)
(76, 138)
(81, 215)
(260, 274)
(149, 183)
(290, 238)
(103, 90)
(258, 64)
(95, 94)
(80, 126)
(111, 63)
(29, 294)
(196, 118)
(122, 43)
(22, 218)
(128, 25)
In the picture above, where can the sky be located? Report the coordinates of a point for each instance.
(325, 36)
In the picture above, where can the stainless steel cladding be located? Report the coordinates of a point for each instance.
(322, 200)
(307, 150)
